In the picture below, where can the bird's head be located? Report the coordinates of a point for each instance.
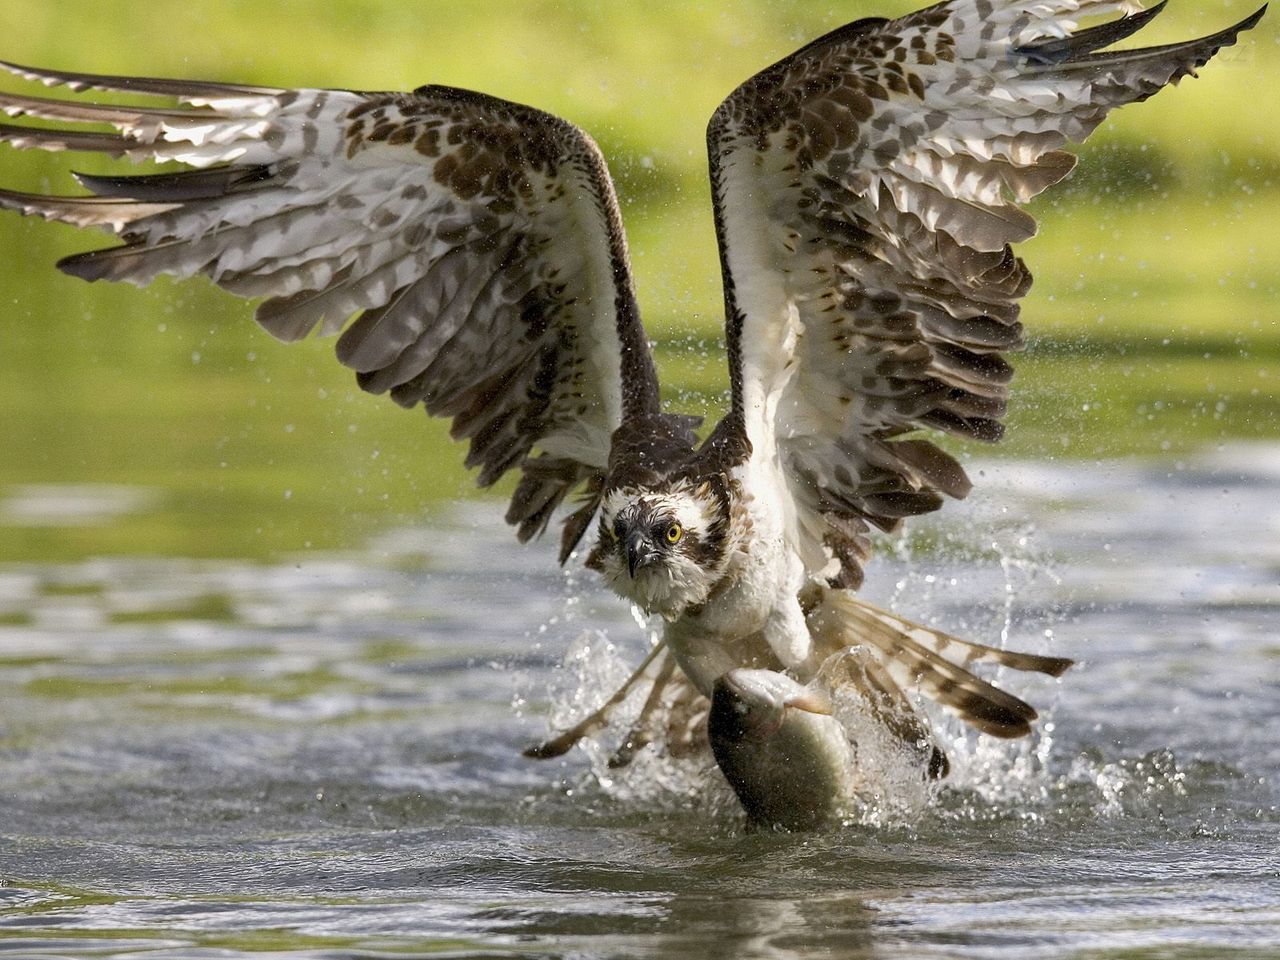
(664, 549)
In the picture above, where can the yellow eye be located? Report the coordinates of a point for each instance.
(674, 533)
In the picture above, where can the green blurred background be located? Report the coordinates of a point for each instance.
(1154, 317)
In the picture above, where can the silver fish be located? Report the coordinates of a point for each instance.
(785, 755)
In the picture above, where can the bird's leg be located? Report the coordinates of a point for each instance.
(599, 719)
(640, 733)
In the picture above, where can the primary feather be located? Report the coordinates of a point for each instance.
(867, 192)
(477, 243)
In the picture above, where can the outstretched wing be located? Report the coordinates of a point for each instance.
(479, 242)
(867, 191)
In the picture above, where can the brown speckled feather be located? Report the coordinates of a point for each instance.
(867, 193)
(476, 243)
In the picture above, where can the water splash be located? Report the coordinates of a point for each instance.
(1135, 786)
(658, 775)
(939, 571)
(1057, 586)
(895, 790)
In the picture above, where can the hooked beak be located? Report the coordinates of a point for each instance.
(640, 552)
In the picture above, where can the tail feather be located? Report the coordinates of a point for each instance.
(940, 643)
(911, 655)
(889, 705)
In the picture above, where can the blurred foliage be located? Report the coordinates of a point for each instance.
(1153, 319)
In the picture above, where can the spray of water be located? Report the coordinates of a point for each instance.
(940, 571)
(665, 774)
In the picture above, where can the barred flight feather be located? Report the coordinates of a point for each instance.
(915, 657)
(477, 242)
(867, 193)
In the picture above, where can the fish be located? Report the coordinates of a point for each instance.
(782, 750)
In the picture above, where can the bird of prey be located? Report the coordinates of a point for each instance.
(866, 191)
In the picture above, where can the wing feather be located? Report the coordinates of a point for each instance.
(478, 244)
(867, 193)
(188, 91)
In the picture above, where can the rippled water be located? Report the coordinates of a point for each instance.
(320, 758)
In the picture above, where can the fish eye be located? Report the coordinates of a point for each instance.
(674, 533)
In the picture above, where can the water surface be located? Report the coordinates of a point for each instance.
(319, 757)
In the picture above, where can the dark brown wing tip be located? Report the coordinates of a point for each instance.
(1251, 21)
(40, 138)
(546, 751)
(1034, 663)
(1225, 38)
(1210, 44)
(575, 527)
(1086, 41)
(110, 263)
(1007, 719)
(182, 186)
(1055, 666)
(18, 70)
(83, 265)
(1012, 730)
(80, 82)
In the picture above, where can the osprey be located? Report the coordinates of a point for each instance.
(470, 253)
